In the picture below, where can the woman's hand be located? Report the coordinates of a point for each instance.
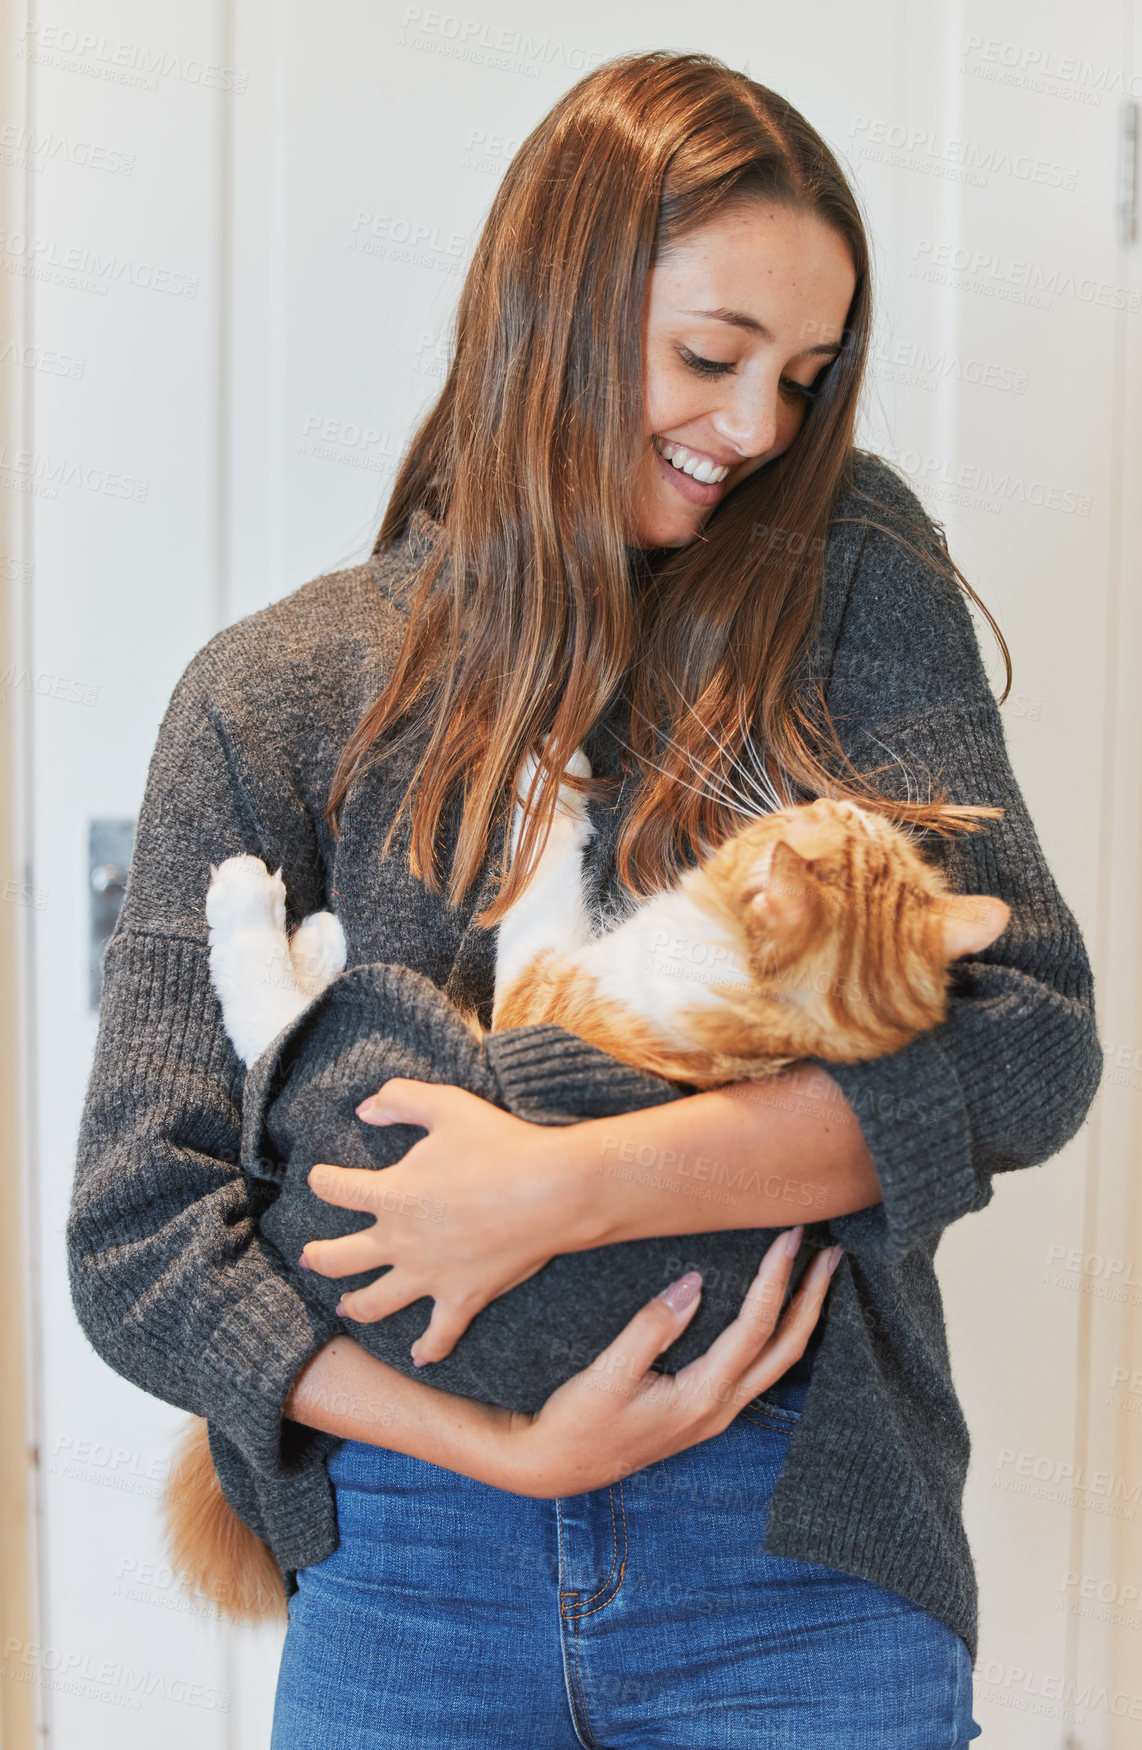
(474, 1208)
(485, 1199)
(613, 1418)
(618, 1416)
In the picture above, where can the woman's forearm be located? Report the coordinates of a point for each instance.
(754, 1154)
(510, 1194)
(345, 1391)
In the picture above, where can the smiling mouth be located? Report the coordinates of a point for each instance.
(687, 461)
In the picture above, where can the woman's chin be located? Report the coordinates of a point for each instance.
(668, 530)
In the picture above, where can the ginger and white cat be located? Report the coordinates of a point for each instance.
(817, 930)
(814, 931)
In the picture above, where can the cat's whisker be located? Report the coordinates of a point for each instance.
(767, 796)
(765, 791)
(716, 784)
(907, 774)
(726, 801)
(722, 778)
(765, 782)
(784, 798)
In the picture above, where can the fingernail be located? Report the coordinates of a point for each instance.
(341, 1310)
(835, 1257)
(302, 1263)
(372, 1111)
(682, 1293)
(793, 1240)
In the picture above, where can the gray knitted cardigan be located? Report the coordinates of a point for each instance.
(179, 1291)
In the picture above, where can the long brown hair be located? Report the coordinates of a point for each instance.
(527, 619)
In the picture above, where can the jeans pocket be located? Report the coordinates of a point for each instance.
(770, 1415)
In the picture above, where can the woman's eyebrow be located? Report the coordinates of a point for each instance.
(737, 319)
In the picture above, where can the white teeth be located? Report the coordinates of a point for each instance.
(686, 462)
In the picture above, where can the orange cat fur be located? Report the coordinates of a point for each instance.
(834, 940)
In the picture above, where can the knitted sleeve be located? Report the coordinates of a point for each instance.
(169, 1278)
(1010, 1075)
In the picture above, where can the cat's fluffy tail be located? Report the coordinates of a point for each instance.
(210, 1547)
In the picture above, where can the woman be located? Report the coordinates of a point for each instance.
(634, 521)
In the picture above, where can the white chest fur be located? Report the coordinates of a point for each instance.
(668, 956)
(671, 955)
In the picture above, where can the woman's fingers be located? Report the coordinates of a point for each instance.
(347, 1187)
(452, 1315)
(401, 1100)
(787, 1345)
(444, 1330)
(738, 1345)
(621, 1366)
(346, 1256)
(388, 1294)
(760, 1343)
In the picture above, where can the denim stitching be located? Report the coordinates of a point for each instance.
(569, 1622)
(614, 1551)
(572, 1619)
(590, 1739)
(770, 1415)
(622, 1565)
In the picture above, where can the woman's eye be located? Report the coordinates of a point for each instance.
(798, 391)
(704, 367)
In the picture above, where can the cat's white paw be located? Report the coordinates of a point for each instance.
(570, 806)
(317, 950)
(573, 801)
(570, 801)
(242, 892)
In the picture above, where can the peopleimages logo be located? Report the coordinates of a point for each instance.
(85, 269)
(1020, 1685)
(122, 62)
(22, 147)
(1093, 1273)
(916, 365)
(994, 275)
(1054, 1479)
(415, 243)
(926, 150)
(41, 476)
(982, 488)
(1046, 71)
(95, 1679)
(1103, 1599)
(474, 40)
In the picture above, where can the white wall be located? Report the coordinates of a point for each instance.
(253, 305)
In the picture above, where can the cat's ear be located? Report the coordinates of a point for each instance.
(787, 897)
(971, 922)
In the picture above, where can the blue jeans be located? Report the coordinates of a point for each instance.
(454, 1615)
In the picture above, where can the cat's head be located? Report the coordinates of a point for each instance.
(841, 918)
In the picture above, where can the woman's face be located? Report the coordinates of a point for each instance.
(741, 317)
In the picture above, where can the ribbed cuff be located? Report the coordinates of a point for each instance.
(250, 1364)
(915, 1123)
(550, 1076)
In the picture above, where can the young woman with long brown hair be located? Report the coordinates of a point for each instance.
(634, 521)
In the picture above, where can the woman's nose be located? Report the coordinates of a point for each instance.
(748, 420)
